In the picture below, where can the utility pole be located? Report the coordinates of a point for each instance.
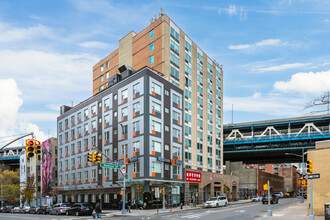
(1, 196)
(302, 171)
(311, 216)
(164, 209)
(269, 213)
(123, 211)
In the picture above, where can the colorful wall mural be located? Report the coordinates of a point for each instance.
(47, 166)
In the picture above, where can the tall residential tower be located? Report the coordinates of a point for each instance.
(164, 47)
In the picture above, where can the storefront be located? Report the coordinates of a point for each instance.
(201, 185)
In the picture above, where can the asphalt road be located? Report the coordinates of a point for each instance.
(246, 211)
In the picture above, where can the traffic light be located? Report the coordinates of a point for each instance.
(37, 148)
(90, 157)
(160, 191)
(97, 157)
(29, 148)
(309, 166)
(266, 187)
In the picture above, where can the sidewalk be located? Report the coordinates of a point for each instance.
(150, 212)
(297, 211)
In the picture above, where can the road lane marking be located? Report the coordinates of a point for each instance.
(231, 208)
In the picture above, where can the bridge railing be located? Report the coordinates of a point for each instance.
(282, 137)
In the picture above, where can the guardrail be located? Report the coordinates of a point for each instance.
(282, 137)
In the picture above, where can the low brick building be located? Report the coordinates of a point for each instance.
(291, 176)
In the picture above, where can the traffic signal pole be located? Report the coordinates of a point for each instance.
(311, 216)
(269, 213)
(123, 211)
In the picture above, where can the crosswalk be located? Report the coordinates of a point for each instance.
(188, 215)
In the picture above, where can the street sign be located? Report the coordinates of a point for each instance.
(110, 165)
(127, 180)
(313, 176)
(123, 168)
(156, 192)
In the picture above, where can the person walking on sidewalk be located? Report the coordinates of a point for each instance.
(134, 203)
(97, 211)
(129, 205)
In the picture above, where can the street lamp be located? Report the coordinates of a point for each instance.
(302, 171)
(123, 211)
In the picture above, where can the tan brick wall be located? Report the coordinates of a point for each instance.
(125, 49)
(321, 187)
(113, 59)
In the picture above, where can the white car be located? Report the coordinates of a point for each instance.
(216, 202)
(256, 199)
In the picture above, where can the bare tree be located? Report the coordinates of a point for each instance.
(319, 105)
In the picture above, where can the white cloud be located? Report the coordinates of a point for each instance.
(310, 82)
(11, 102)
(54, 74)
(283, 67)
(234, 10)
(269, 104)
(259, 44)
(12, 123)
(10, 34)
(95, 45)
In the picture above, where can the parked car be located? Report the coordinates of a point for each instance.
(60, 208)
(44, 210)
(7, 208)
(34, 209)
(256, 199)
(287, 195)
(80, 209)
(273, 199)
(216, 202)
(16, 210)
(279, 195)
(25, 209)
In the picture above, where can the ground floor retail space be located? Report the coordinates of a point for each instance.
(201, 185)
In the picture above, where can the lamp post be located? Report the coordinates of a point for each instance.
(123, 211)
(302, 170)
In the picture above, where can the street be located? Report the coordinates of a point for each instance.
(240, 211)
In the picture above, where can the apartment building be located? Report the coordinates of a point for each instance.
(166, 48)
(137, 121)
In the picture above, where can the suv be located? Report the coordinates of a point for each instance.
(80, 209)
(216, 201)
(60, 208)
(273, 199)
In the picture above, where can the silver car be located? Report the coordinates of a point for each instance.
(60, 208)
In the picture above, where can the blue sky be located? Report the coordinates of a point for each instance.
(275, 54)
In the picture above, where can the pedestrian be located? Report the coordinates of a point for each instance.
(129, 205)
(194, 201)
(97, 211)
(121, 205)
(134, 203)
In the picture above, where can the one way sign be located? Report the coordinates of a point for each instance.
(313, 176)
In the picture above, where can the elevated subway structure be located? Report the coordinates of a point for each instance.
(269, 141)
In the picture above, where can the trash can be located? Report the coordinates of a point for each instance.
(327, 211)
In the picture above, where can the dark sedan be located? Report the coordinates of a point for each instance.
(7, 208)
(34, 209)
(44, 210)
(80, 209)
(273, 199)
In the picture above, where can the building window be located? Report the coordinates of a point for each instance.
(124, 149)
(136, 146)
(101, 68)
(176, 170)
(175, 151)
(107, 75)
(102, 78)
(176, 116)
(94, 110)
(107, 64)
(156, 146)
(86, 113)
(151, 34)
(155, 107)
(136, 88)
(156, 167)
(124, 130)
(167, 110)
(151, 60)
(107, 136)
(156, 126)
(174, 59)
(156, 88)
(136, 107)
(136, 167)
(124, 112)
(151, 47)
(107, 119)
(176, 133)
(106, 103)
(174, 46)
(136, 126)
(79, 116)
(86, 198)
(167, 92)
(124, 94)
(175, 34)
(176, 99)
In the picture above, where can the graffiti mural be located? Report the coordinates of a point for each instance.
(47, 167)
